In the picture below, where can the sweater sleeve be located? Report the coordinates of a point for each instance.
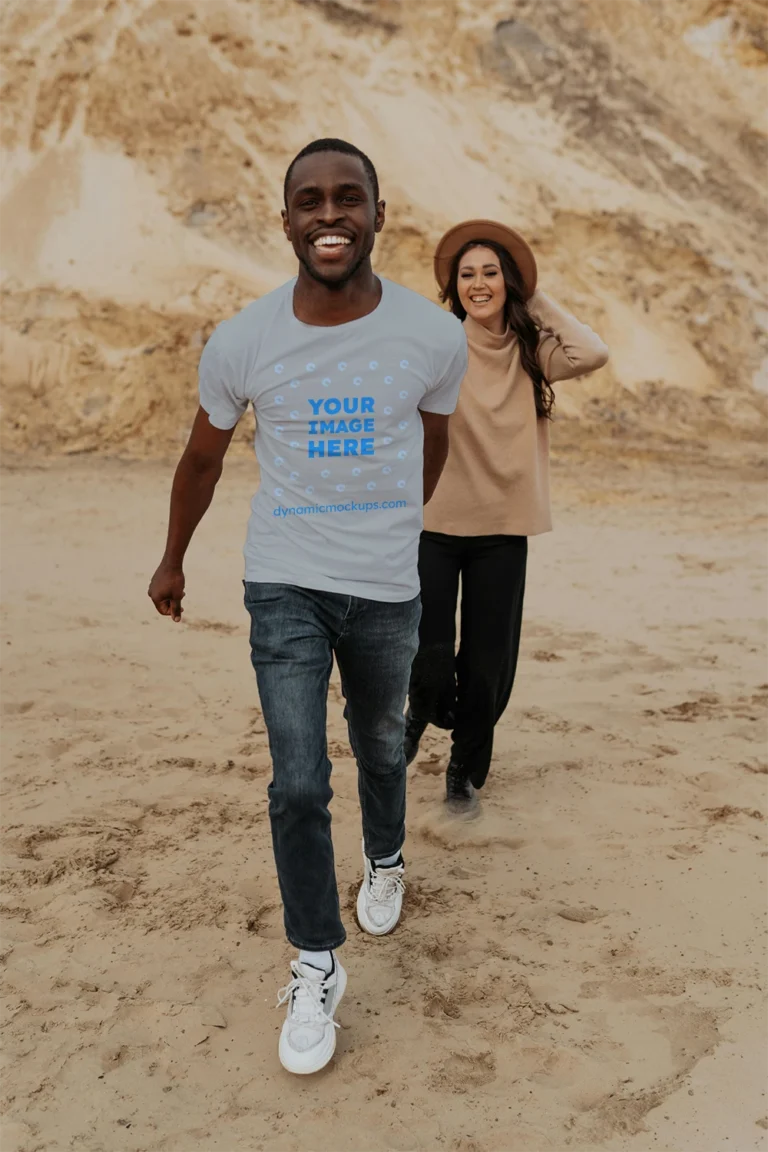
(567, 347)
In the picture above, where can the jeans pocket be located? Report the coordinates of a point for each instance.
(256, 592)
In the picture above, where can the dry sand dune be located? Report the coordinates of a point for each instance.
(582, 967)
(145, 145)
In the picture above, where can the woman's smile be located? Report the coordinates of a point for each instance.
(481, 287)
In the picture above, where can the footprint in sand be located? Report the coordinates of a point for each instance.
(757, 767)
(464, 1072)
(439, 1003)
(432, 767)
(20, 709)
(581, 915)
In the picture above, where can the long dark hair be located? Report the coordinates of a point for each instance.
(519, 318)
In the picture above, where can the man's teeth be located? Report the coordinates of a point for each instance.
(330, 241)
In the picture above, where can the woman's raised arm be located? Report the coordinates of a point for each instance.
(567, 348)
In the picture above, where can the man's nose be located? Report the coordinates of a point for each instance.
(330, 211)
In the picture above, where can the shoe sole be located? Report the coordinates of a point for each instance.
(464, 809)
(324, 1053)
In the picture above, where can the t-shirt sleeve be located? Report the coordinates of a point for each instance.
(221, 392)
(443, 396)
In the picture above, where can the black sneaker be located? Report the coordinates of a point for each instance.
(459, 792)
(414, 730)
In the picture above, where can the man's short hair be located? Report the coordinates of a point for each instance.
(329, 144)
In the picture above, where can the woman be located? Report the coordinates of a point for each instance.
(494, 492)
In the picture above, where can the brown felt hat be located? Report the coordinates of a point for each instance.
(456, 237)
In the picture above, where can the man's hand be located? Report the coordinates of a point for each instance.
(166, 590)
(435, 450)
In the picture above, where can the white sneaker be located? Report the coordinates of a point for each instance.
(308, 1038)
(380, 899)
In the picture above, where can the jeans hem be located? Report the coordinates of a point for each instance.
(386, 855)
(317, 947)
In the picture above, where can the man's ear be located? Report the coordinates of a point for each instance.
(381, 208)
(286, 225)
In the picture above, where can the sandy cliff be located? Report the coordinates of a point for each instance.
(145, 145)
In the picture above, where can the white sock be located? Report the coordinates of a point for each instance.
(387, 861)
(321, 960)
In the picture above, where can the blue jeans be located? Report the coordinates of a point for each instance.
(295, 633)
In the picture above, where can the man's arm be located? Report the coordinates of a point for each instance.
(435, 450)
(196, 477)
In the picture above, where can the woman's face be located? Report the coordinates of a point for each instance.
(481, 287)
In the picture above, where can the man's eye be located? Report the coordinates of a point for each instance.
(351, 200)
(306, 204)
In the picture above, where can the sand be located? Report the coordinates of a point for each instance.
(145, 143)
(581, 967)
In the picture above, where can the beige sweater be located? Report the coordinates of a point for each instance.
(496, 479)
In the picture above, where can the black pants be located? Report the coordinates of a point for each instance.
(468, 692)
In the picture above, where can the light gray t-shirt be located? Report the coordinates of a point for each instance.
(339, 439)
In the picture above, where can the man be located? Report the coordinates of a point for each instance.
(352, 379)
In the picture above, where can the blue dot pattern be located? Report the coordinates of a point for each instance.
(339, 448)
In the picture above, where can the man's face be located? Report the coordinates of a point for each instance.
(331, 218)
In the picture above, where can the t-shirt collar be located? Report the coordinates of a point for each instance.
(349, 325)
